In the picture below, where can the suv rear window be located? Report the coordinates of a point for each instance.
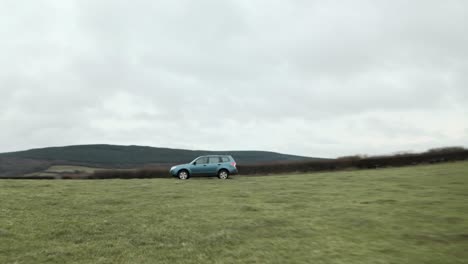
(215, 160)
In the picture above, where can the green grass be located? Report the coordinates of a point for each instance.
(70, 169)
(406, 215)
(58, 170)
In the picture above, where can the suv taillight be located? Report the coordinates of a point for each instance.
(233, 164)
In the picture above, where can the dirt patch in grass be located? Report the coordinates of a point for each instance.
(438, 238)
(380, 201)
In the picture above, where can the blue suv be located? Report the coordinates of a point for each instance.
(213, 165)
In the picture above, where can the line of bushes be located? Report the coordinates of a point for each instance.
(357, 162)
(29, 178)
(361, 162)
(126, 174)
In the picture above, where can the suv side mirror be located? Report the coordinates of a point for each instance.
(194, 163)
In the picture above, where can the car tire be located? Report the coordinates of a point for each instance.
(223, 174)
(183, 175)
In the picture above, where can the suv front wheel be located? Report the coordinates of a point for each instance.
(183, 175)
(223, 174)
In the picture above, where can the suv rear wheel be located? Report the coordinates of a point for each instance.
(183, 175)
(223, 174)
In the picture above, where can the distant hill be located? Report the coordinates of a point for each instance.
(115, 156)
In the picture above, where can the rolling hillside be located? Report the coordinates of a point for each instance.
(114, 156)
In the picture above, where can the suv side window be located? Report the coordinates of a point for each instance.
(203, 160)
(215, 160)
(225, 159)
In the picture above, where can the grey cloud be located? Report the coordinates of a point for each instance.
(307, 77)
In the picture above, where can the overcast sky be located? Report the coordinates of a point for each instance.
(317, 78)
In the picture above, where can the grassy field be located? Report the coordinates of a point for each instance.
(58, 170)
(406, 215)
